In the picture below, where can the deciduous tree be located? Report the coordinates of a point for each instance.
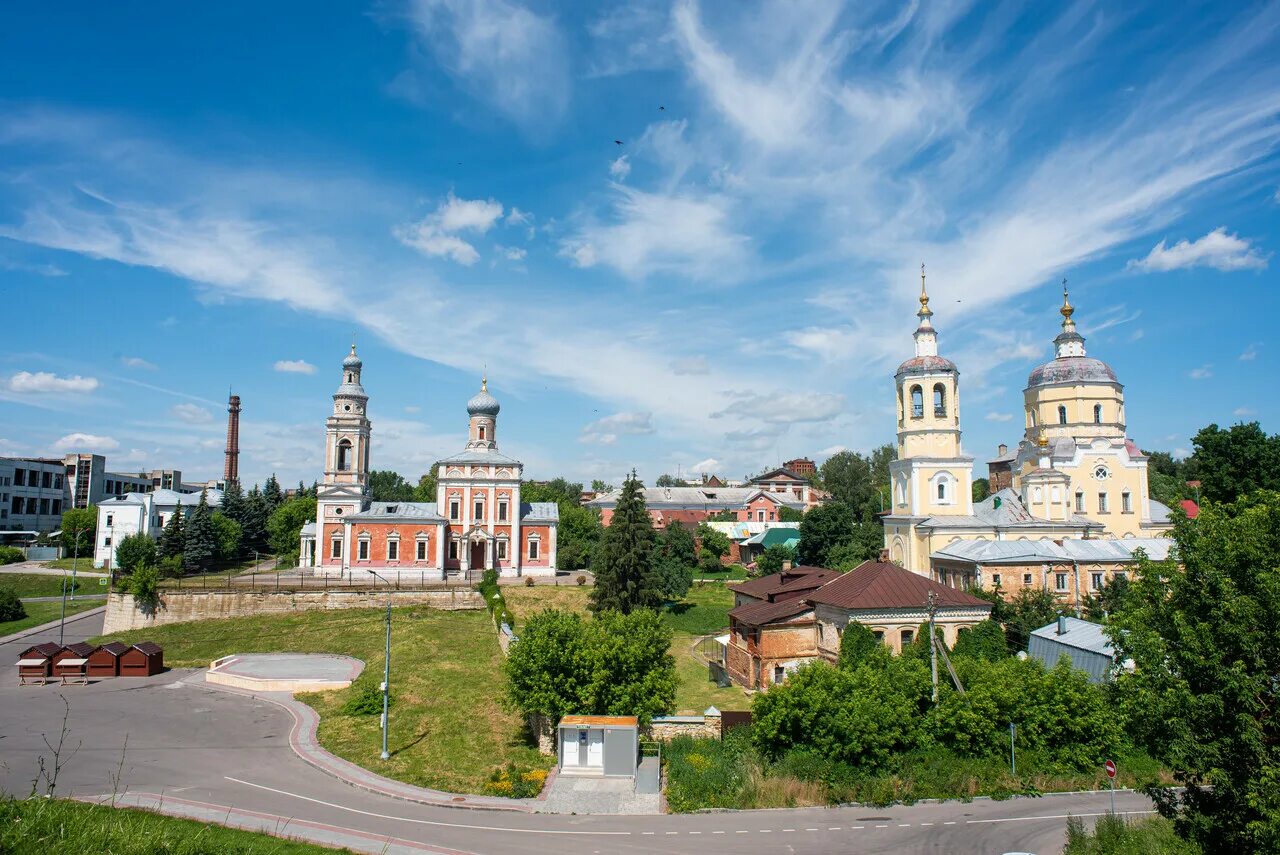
(823, 529)
(773, 557)
(133, 550)
(84, 520)
(285, 525)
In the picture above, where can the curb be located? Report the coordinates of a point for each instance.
(302, 739)
(18, 636)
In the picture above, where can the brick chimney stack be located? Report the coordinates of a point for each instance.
(231, 469)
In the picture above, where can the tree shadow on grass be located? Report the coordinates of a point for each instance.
(412, 743)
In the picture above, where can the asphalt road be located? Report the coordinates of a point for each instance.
(210, 754)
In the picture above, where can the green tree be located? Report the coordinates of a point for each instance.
(713, 541)
(859, 481)
(386, 486)
(598, 486)
(1234, 462)
(789, 514)
(859, 646)
(10, 605)
(285, 525)
(84, 520)
(625, 579)
(981, 489)
(867, 541)
(173, 537)
(678, 542)
(226, 533)
(824, 528)
(426, 489)
(253, 522)
(985, 642)
(1025, 611)
(1202, 632)
(200, 541)
(272, 494)
(770, 561)
(134, 550)
(615, 665)
(726, 516)
(556, 490)
(233, 507)
(665, 480)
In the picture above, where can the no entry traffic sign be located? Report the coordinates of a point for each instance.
(1110, 766)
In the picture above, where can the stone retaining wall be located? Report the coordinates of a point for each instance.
(664, 728)
(181, 606)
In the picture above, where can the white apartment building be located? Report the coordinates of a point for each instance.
(147, 513)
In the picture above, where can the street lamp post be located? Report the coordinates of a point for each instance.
(62, 622)
(386, 675)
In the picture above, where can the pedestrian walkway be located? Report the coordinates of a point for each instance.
(585, 795)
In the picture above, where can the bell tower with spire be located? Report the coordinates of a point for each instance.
(932, 476)
(344, 490)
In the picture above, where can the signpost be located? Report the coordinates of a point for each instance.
(1013, 757)
(1110, 766)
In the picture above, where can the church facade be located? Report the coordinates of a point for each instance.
(477, 522)
(1075, 474)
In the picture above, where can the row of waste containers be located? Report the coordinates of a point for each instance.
(81, 661)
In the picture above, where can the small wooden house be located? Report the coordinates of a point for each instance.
(104, 661)
(71, 661)
(35, 664)
(142, 660)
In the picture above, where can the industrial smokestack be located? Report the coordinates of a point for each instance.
(231, 468)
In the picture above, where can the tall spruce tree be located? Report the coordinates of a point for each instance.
(253, 525)
(233, 506)
(272, 493)
(625, 575)
(200, 545)
(171, 539)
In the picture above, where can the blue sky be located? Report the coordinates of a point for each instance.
(222, 196)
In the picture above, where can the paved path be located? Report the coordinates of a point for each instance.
(199, 751)
(78, 597)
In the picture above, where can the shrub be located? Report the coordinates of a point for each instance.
(134, 550)
(10, 606)
(1115, 835)
(171, 567)
(582, 580)
(367, 700)
(144, 584)
(11, 555)
(516, 783)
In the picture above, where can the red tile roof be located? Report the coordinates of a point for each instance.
(877, 585)
(786, 585)
(765, 612)
(1190, 508)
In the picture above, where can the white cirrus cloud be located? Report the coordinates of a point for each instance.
(41, 382)
(620, 168)
(995, 416)
(192, 414)
(605, 431)
(85, 442)
(1242, 412)
(137, 362)
(1204, 372)
(783, 408)
(691, 365)
(294, 366)
(514, 253)
(661, 233)
(436, 234)
(500, 52)
(1217, 249)
(1250, 353)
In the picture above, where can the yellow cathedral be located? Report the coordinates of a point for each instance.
(1076, 475)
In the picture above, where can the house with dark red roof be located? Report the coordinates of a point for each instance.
(786, 620)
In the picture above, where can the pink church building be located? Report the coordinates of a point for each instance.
(477, 521)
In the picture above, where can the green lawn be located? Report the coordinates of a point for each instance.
(696, 691)
(85, 562)
(704, 610)
(39, 585)
(38, 613)
(449, 728)
(731, 573)
(61, 827)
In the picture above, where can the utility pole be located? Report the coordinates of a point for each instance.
(1013, 757)
(386, 676)
(62, 622)
(932, 606)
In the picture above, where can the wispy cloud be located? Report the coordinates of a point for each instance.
(192, 414)
(437, 234)
(137, 362)
(995, 416)
(620, 168)
(1217, 249)
(85, 442)
(44, 382)
(1243, 411)
(1250, 353)
(606, 431)
(293, 366)
(1204, 372)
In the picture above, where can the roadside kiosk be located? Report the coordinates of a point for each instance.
(599, 745)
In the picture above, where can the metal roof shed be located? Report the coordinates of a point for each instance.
(104, 661)
(599, 745)
(1082, 641)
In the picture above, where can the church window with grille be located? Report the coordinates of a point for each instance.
(939, 400)
(917, 402)
(344, 456)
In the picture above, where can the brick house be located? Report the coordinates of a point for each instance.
(783, 621)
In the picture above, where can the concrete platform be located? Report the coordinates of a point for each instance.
(284, 672)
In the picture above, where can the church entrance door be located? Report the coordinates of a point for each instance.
(477, 555)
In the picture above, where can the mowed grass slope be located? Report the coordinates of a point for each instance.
(704, 611)
(40, 585)
(38, 613)
(449, 727)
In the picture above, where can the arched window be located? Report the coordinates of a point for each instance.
(939, 400)
(1097, 414)
(943, 486)
(1062, 415)
(344, 455)
(942, 491)
(917, 402)
(482, 431)
(350, 377)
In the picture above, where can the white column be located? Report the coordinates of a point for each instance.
(514, 550)
(345, 567)
(442, 532)
(551, 547)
